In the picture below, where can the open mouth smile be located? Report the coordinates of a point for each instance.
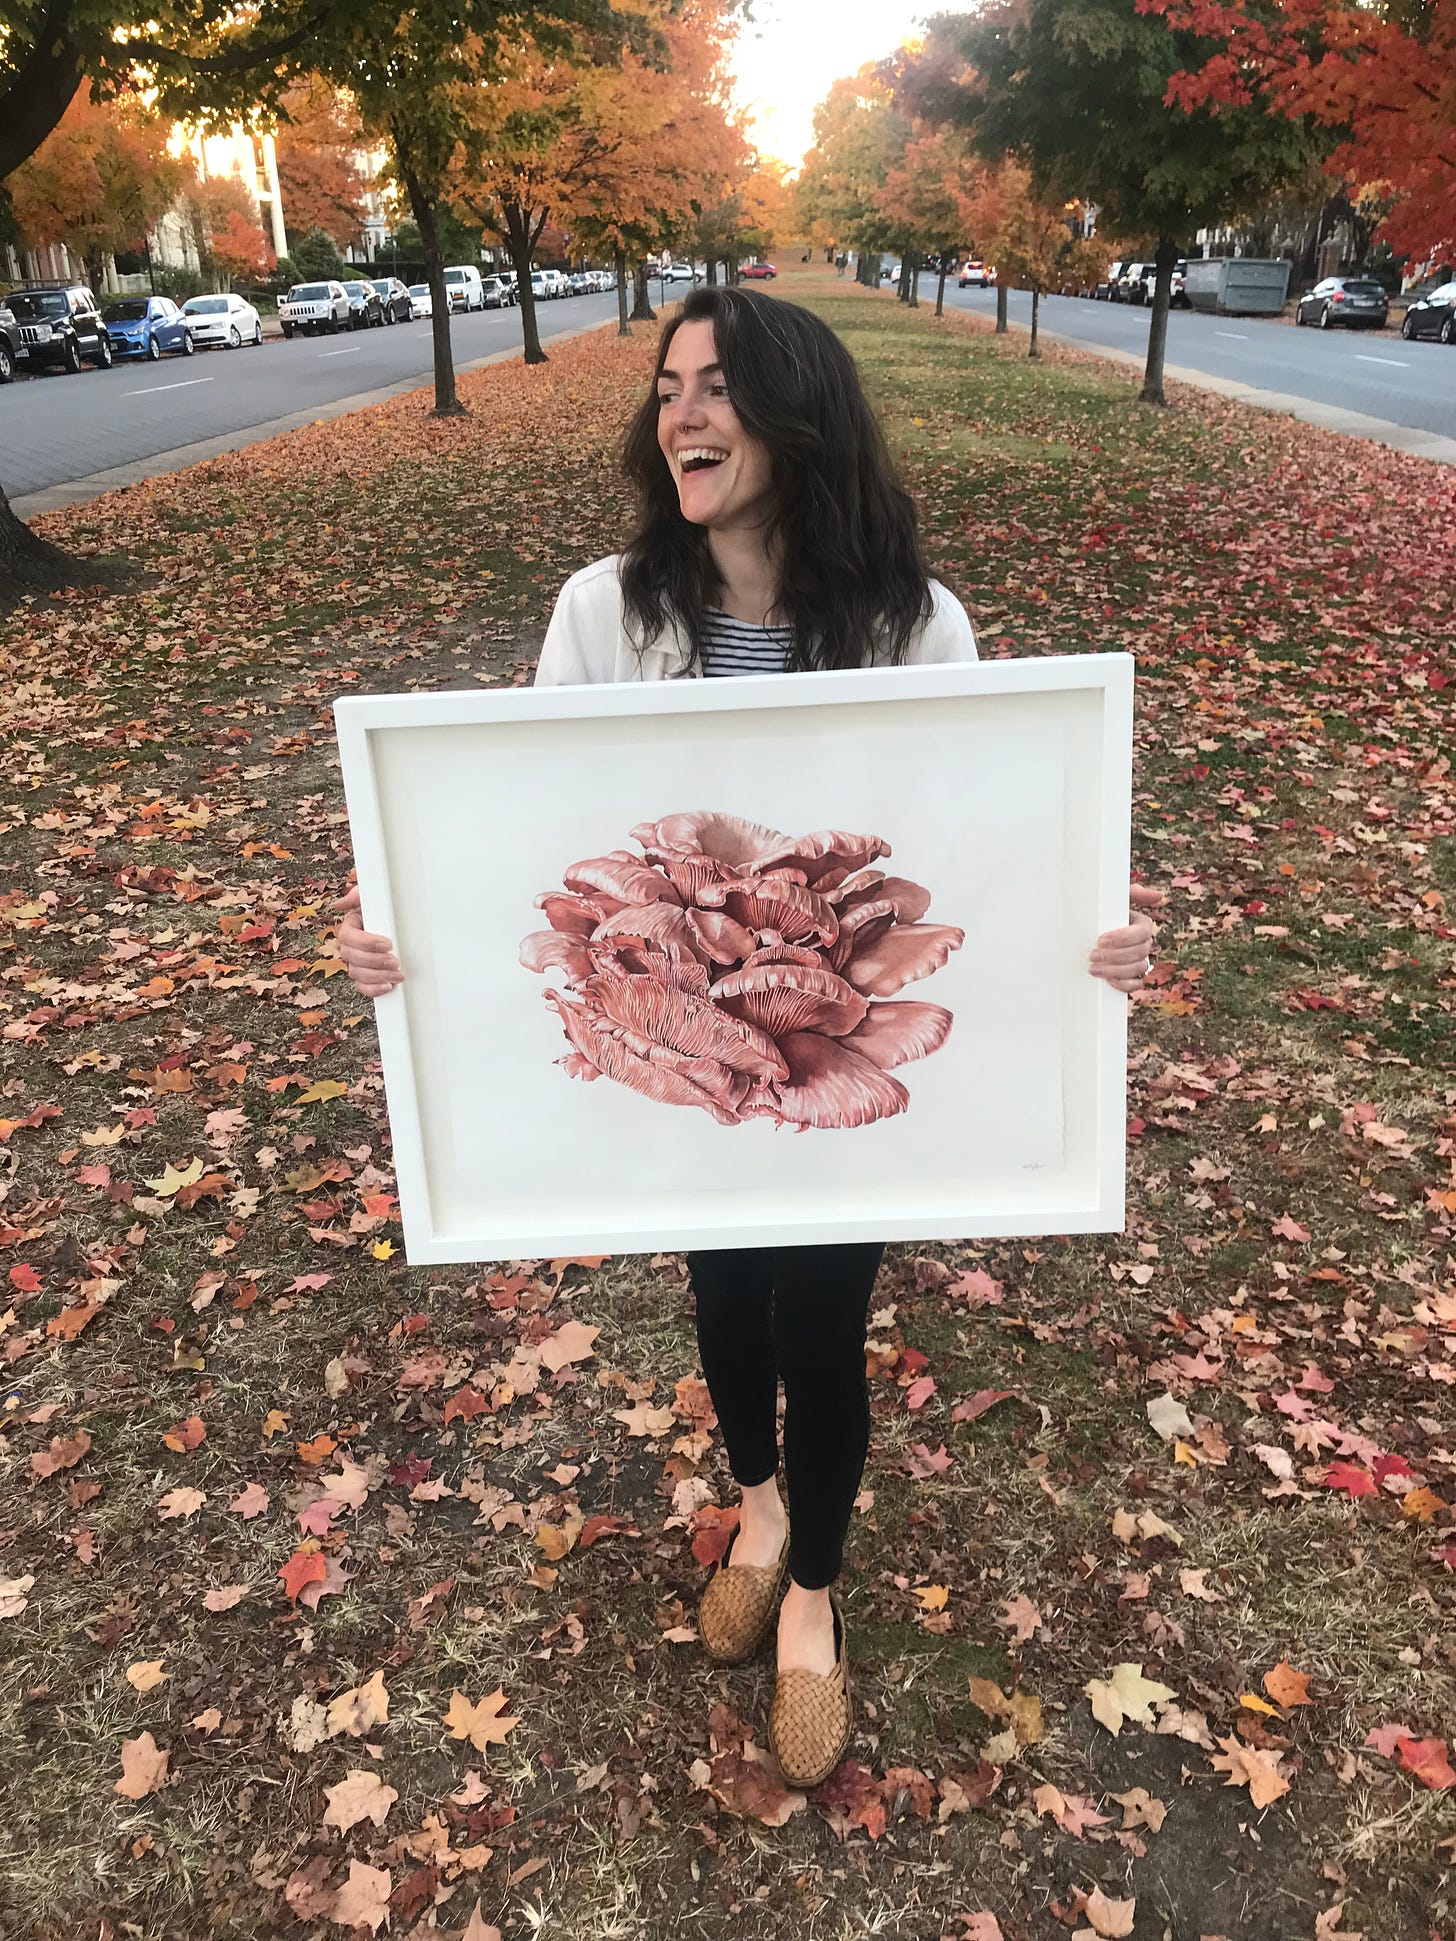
(700, 458)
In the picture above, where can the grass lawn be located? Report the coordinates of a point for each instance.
(271, 1499)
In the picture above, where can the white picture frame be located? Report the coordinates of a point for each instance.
(1008, 785)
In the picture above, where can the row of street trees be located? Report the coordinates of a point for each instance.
(1169, 115)
(609, 119)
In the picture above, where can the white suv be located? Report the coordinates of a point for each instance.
(312, 307)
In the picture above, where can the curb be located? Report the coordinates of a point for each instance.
(1329, 417)
(52, 498)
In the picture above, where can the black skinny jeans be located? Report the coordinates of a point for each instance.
(796, 1313)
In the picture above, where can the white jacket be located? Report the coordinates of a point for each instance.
(587, 640)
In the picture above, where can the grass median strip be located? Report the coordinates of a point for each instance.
(273, 1501)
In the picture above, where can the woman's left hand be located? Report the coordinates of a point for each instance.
(1124, 957)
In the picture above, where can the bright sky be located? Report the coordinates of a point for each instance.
(796, 49)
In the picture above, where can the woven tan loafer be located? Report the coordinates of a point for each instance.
(738, 1607)
(809, 1725)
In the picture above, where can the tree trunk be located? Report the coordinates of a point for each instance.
(1034, 349)
(902, 288)
(1165, 257)
(1002, 326)
(624, 328)
(915, 280)
(712, 272)
(642, 310)
(940, 290)
(30, 564)
(868, 272)
(447, 400)
(519, 242)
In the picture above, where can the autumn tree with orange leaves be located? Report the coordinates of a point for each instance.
(619, 145)
(1383, 76)
(318, 132)
(932, 199)
(1032, 243)
(99, 184)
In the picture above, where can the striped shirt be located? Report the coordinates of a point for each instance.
(739, 647)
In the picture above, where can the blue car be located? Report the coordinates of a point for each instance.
(145, 327)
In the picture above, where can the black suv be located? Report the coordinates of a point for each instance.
(366, 306)
(394, 296)
(59, 325)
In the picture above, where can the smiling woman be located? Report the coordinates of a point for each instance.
(847, 579)
(741, 970)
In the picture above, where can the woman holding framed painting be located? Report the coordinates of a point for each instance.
(773, 537)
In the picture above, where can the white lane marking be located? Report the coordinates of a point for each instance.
(182, 384)
(341, 353)
(1240, 334)
(1399, 362)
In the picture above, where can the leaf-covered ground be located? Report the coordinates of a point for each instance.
(338, 1598)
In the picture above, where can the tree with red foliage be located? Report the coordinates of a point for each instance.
(240, 249)
(230, 239)
(1384, 75)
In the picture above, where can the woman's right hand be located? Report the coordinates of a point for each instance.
(369, 959)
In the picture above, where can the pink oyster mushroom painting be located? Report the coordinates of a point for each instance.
(748, 973)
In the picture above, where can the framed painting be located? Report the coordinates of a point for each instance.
(785, 959)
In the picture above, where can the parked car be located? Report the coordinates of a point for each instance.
(145, 327)
(366, 306)
(58, 325)
(422, 304)
(224, 320)
(1433, 315)
(1352, 302)
(394, 297)
(1135, 283)
(759, 271)
(974, 275)
(497, 294)
(312, 308)
(1103, 290)
(556, 284)
(463, 287)
(682, 273)
(9, 343)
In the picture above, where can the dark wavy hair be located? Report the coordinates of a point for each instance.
(855, 585)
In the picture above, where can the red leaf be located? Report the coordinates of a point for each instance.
(712, 1532)
(605, 1526)
(303, 1567)
(24, 1278)
(920, 1391)
(1428, 1760)
(983, 1399)
(1349, 1476)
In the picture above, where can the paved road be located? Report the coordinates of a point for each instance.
(55, 428)
(1375, 372)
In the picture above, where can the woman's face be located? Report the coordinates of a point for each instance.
(721, 471)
